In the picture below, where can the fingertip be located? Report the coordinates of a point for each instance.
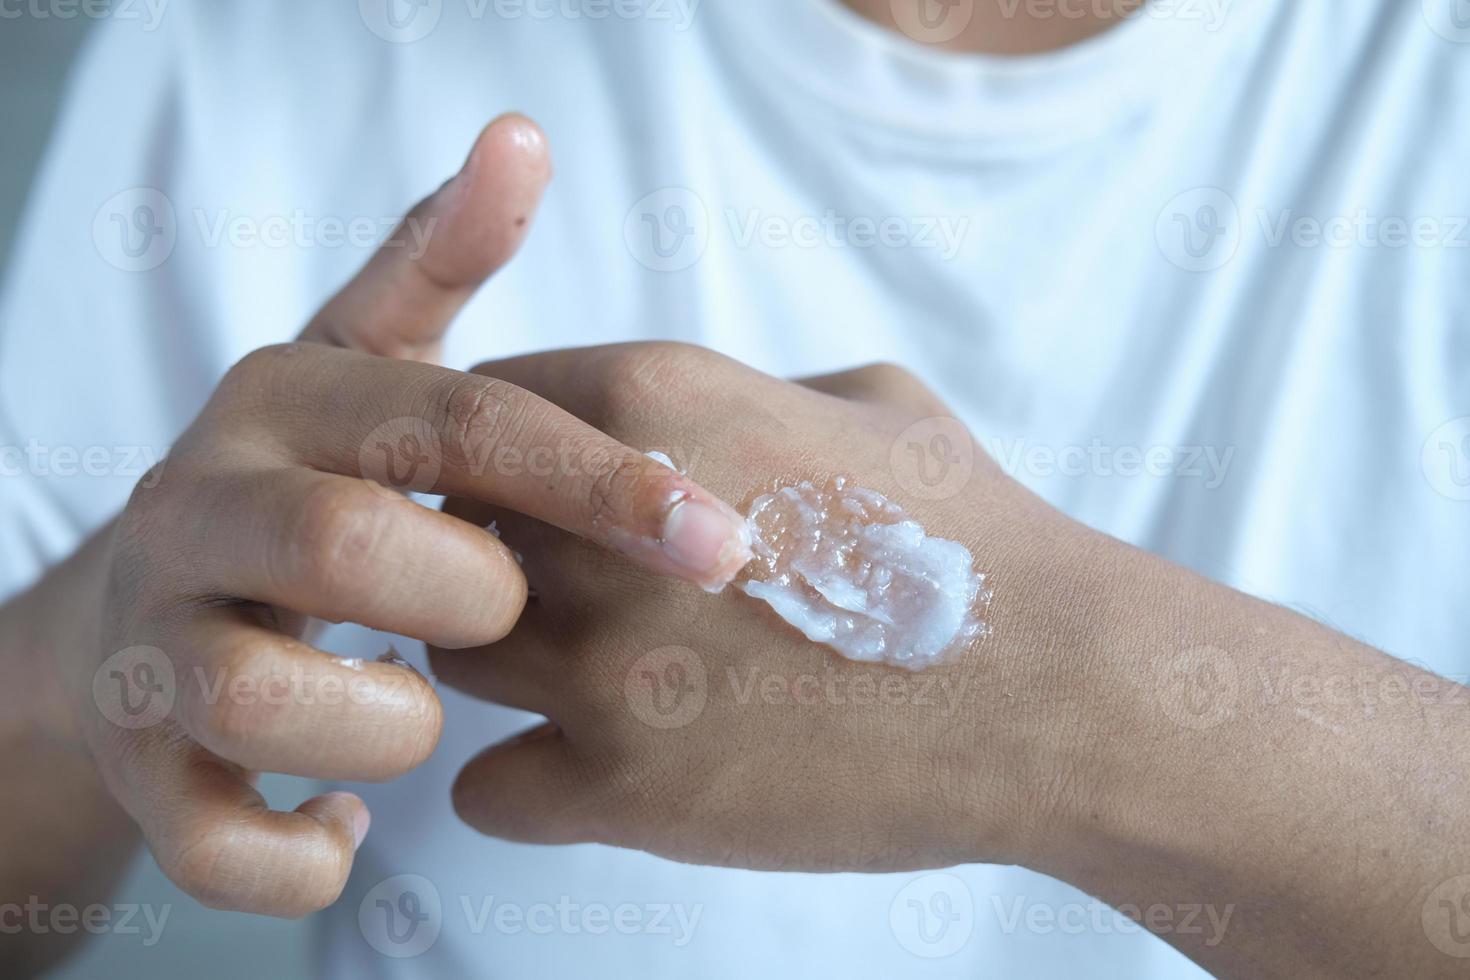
(484, 214)
(342, 812)
(488, 596)
(674, 527)
(707, 541)
(503, 610)
(514, 132)
(446, 247)
(512, 150)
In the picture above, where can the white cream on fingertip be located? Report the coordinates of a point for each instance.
(850, 569)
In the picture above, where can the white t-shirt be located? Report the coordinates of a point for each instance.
(1201, 281)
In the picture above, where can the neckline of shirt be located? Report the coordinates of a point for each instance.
(867, 73)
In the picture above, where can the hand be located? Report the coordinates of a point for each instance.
(271, 510)
(1110, 732)
(708, 730)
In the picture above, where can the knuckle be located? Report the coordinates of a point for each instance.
(142, 548)
(254, 384)
(199, 867)
(146, 490)
(614, 486)
(646, 375)
(216, 866)
(134, 533)
(239, 708)
(250, 370)
(884, 382)
(885, 376)
(673, 351)
(479, 414)
(334, 531)
(149, 495)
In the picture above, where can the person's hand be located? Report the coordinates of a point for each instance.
(706, 729)
(282, 504)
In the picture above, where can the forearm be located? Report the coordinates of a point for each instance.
(64, 842)
(1297, 794)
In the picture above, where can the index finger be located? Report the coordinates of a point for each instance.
(424, 428)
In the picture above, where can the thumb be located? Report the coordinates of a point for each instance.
(530, 789)
(401, 303)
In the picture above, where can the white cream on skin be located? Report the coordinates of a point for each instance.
(849, 568)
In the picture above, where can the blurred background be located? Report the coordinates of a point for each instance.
(36, 54)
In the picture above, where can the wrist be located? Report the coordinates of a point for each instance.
(1130, 677)
(48, 639)
(1042, 706)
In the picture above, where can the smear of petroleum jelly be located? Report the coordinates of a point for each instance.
(849, 568)
(659, 457)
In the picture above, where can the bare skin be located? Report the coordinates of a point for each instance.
(1003, 27)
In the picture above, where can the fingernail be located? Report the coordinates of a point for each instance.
(361, 821)
(711, 542)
